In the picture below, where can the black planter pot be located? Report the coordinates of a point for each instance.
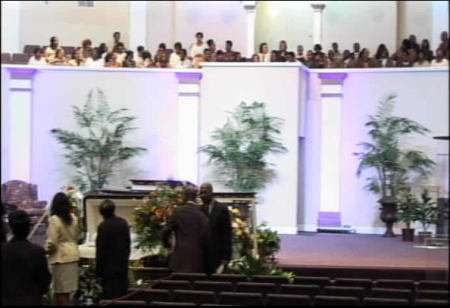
(408, 235)
(388, 214)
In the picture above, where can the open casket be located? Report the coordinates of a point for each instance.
(127, 200)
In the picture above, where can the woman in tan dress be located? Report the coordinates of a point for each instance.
(62, 247)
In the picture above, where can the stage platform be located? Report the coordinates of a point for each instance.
(361, 256)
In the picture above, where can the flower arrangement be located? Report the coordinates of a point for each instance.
(152, 215)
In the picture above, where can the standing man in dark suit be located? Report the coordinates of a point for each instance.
(113, 252)
(222, 233)
(192, 236)
(25, 274)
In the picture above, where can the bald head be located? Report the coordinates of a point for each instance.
(191, 193)
(207, 193)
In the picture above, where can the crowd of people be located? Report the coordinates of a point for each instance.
(203, 244)
(115, 54)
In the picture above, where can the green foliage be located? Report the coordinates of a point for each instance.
(406, 210)
(426, 211)
(89, 291)
(97, 151)
(268, 241)
(394, 166)
(242, 145)
(251, 266)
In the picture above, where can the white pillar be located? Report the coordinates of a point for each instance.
(188, 126)
(439, 22)
(318, 9)
(138, 24)
(11, 21)
(330, 148)
(250, 9)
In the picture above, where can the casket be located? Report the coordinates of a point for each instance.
(125, 205)
(127, 200)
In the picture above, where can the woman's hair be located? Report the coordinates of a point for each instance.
(361, 54)
(61, 207)
(178, 45)
(210, 42)
(102, 49)
(146, 55)
(427, 43)
(87, 42)
(130, 54)
(162, 46)
(52, 41)
(380, 50)
(318, 47)
(406, 44)
(261, 47)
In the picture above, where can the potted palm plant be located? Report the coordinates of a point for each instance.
(426, 212)
(406, 213)
(393, 165)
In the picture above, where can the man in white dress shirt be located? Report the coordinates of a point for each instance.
(199, 47)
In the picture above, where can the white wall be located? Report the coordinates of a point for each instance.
(278, 87)
(422, 96)
(151, 97)
(5, 126)
(346, 22)
(178, 21)
(71, 23)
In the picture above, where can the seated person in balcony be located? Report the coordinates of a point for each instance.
(87, 48)
(213, 49)
(383, 60)
(139, 57)
(320, 60)
(318, 50)
(198, 48)
(229, 48)
(337, 53)
(310, 61)
(175, 59)
(440, 61)
(356, 51)
(60, 58)
(147, 60)
(121, 52)
(95, 61)
(129, 60)
(425, 47)
(264, 54)
(444, 44)
(198, 60)
(38, 58)
(413, 43)
(301, 57)
(290, 57)
(220, 56)
(50, 52)
(162, 61)
(117, 36)
(403, 59)
(283, 50)
(103, 50)
(255, 58)
(111, 60)
(347, 59)
(421, 60)
(208, 56)
(25, 273)
(185, 62)
(78, 59)
(192, 236)
(332, 61)
(239, 58)
(113, 252)
(365, 61)
(274, 56)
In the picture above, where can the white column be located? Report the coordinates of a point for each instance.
(250, 9)
(138, 24)
(20, 121)
(318, 9)
(330, 150)
(439, 22)
(11, 31)
(188, 126)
